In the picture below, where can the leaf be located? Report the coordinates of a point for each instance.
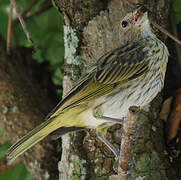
(1, 132)
(47, 34)
(17, 173)
(4, 148)
(176, 7)
(38, 56)
(4, 23)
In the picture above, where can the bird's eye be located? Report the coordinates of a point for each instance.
(124, 24)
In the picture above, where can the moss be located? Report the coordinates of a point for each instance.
(149, 166)
(143, 164)
(142, 118)
(77, 169)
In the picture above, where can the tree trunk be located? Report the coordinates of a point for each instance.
(24, 102)
(91, 28)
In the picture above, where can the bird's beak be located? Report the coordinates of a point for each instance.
(141, 15)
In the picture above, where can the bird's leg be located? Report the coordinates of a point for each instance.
(112, 148)
(108, 144)
(115, 152)
(102, 129)
(97, 113)
(109, 119)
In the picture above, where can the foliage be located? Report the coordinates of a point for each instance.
(47, 32)
(3, 149)
(17, 173)
(176, 7)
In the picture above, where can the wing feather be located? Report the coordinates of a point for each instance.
(121, 67)
(111, 71)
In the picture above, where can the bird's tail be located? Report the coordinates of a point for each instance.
(32, 138)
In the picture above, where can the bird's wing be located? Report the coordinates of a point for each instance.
(123, 64)
(112, 70)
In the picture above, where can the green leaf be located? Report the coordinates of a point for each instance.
(4, 23)
(48, 36)
(17, 173)
(4, 148)
(38, 56)
(47, 33)
(57, 75)
(4, 3)
(1, 132)
(176, 7)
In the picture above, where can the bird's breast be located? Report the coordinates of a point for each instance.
(137, 93)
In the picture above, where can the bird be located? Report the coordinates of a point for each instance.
(132, 74)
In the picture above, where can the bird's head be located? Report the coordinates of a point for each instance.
(135, 26)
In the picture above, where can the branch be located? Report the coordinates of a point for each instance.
(28, 35)
(42, 10)
(129, 129)
(9, 29)
(164, 31)
(29, 7)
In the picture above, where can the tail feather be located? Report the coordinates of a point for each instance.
(32, 138)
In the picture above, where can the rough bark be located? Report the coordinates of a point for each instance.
(24, 102)
(92, 29)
